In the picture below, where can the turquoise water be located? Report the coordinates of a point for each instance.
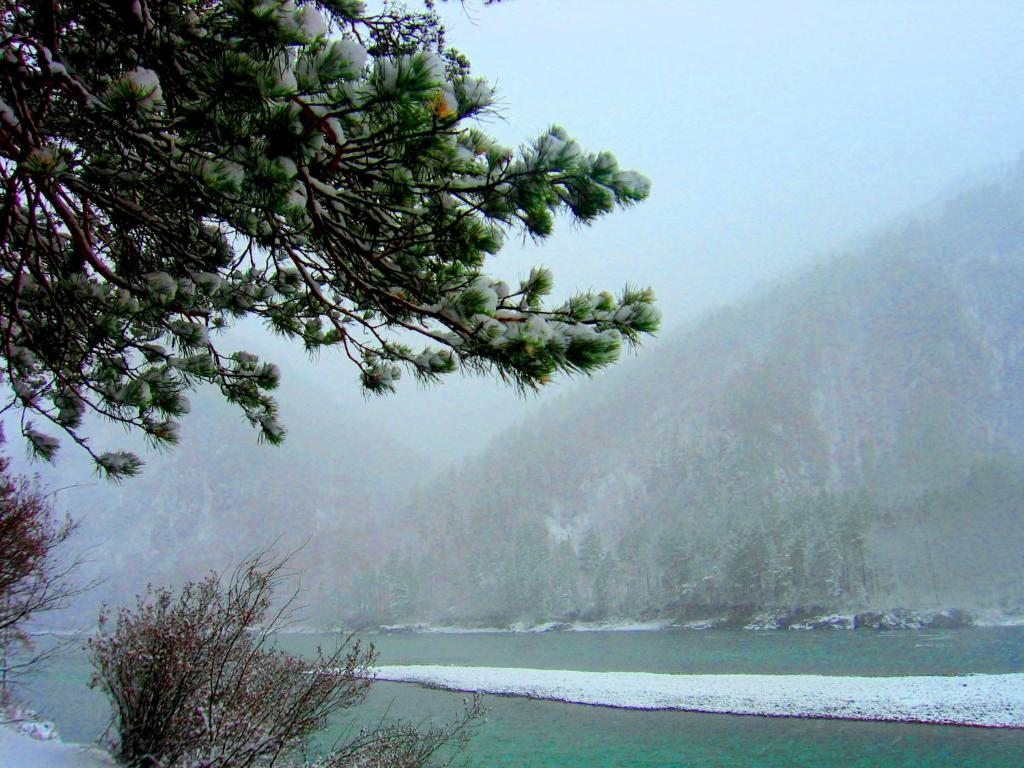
(519, 732)
(956, 652)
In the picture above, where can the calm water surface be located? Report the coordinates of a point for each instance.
(519, 732)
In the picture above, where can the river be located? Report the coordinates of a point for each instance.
(522, 732)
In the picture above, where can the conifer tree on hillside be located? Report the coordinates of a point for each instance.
(169, 167)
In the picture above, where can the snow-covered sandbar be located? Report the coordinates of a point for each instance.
(995, 701)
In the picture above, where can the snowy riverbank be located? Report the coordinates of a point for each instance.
(789, 620)
(784, 620)
(30, 743)
(625, 625)
(981, 700)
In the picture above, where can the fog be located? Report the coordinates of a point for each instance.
(776, 134)
(773, 133)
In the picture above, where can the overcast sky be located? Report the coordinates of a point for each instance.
(772, 132)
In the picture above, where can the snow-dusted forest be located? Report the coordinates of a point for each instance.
(849, 440)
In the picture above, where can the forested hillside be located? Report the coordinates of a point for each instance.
(851, 440)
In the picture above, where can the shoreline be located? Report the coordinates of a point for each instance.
(893, 619)
(799, 620)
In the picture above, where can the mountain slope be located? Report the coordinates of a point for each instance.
(852, 439)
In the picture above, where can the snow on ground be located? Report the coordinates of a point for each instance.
(33, 744)
(624, 625)
(982, 700)
(700, 624)
(442, 629)
(621, 626)
(998, 619)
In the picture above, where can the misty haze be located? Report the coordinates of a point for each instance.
(800, 500)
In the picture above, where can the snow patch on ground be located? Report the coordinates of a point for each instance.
(772, 622)
(995, 619)
(624, 625)
(30, 743)
(702, 624)
(982, 700)
(432, 629)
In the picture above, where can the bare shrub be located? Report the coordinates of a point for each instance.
(195, 681)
